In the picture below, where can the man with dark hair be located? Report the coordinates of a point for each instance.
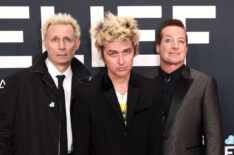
(35, 103)
(190, 108)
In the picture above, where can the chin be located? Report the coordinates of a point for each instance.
(125, 74)
(63, 63)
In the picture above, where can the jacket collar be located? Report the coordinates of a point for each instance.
(80, 73)
(77, 67)
(108, 92)
(175, 75)
(107, 83)
(182, 88)
(40, 66)
(186, 73)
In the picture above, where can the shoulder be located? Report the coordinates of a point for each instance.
(142, 82)
(140, 79)
(20, 75)
(79, 69)
(152, 73)
(198, 75)
(88, 93)
(200, 78)
(18, 80)
(90, 88)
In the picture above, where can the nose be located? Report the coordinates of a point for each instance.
(175, 44)
(121, 59)
(61, 45)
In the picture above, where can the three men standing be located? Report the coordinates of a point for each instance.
(115, 118)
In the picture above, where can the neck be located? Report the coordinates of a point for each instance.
(169, 68)
(120, 84)
(61, 69)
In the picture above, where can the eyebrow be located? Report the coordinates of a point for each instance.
(130, 48)
(172, 37)
(117, 51)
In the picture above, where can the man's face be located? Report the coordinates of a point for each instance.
(118, 57)
(173, 47)
(61, 44)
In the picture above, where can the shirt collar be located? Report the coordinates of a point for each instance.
(54, 71)
(175, 74)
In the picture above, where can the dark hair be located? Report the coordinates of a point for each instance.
(170, 22)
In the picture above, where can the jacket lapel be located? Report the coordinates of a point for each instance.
(109, 94)
(133, 95)
(52, 95)
(112, 100)
(181, 90)
(49, 82)
(51, 90)
(80, 76)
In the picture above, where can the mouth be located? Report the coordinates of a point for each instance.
(122, 68)
(62, 55)
(174, 53)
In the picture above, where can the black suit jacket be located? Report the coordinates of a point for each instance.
(28, 124)
(98, 124)
(193, 126)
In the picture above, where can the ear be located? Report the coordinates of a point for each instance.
(157, 48)
(44, 43)
(186, 49)
(102, 57)
(77, 44)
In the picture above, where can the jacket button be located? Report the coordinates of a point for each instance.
(125, 133)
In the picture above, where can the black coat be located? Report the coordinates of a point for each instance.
(193, 125)
(98, 124)
(28, 125)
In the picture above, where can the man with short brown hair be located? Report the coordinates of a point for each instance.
(190, 108)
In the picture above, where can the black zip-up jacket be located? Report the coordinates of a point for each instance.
(29, 125)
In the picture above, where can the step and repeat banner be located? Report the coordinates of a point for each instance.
(209, 23)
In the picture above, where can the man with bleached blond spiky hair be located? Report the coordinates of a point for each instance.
(113, 114)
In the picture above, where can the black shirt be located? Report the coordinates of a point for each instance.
(167, 86)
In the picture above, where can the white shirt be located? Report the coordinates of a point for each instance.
(67, 92)
(122, 98)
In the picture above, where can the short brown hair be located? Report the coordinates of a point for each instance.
(170, 22)
(116, 28)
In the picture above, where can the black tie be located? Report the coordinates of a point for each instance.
(63, 122)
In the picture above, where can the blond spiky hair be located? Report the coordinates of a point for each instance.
(116, 28)
(61, 18)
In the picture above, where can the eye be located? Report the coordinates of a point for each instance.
(112, 54)
(168, 40)
(127, 51)
(67, 40)
(54, 40)
(181, 41)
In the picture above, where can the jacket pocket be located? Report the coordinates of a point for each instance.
(141, 112)
(200, 146)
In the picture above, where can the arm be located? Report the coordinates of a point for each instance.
(212, 120)
(156, 132)
(81, 128)
(8, 101)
